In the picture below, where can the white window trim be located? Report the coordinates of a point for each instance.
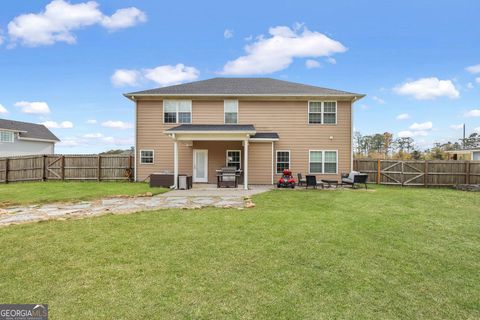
(226, 157)
(323, 161)
(176, 117)
(153, 156)
(322, 112)
(224, 111)
(289, 160)
(13, 136)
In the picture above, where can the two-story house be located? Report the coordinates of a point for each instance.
(259, 125)
(19, 138)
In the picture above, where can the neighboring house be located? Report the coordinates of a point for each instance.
(464, 154)
(23, 138)
(259, 125)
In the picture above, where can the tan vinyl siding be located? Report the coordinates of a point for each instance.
(288, 118)
(260, 163)
(150, 136)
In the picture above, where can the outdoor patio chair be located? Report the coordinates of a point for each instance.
(310, 181)
(354, 178)
(301, 181)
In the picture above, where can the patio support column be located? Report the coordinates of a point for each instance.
(245, 165)
(175, 164)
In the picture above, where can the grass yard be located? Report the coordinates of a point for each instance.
(51, 191)
(390, 254)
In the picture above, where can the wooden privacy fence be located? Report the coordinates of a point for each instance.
(66, 167)
(420, 173)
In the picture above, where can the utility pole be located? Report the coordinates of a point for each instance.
(463, 140)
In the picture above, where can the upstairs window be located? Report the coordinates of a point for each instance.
(283, 161)
(234, 158)
(177, 111)
(231, 111)
(322, 112)
(6, 136)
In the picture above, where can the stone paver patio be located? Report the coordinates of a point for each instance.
(196, 198)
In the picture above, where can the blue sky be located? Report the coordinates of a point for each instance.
(75, 59)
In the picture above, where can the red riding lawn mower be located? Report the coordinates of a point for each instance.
(286, 181)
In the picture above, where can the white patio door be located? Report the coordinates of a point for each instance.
(200, 165)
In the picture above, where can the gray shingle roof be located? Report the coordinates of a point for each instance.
(213, 127)
(28, 130)
(265, 135)
(244, 86)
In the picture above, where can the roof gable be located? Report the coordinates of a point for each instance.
(28, 130)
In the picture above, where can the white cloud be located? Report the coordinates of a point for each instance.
(58, 125)
(364, 106)
(3, 109)
(162, 75)
(470, 85)
(124, 18)
(378, 100)
(228, 33)
(421, 126)
(169, 75)
(477, 80)
(477, 130)
(59, 18)
(331, 60)
(124, 77)
(96, 139)
(91, 121)
(2, 38)
(249, 38)
(310, 64)
(473, 113)
(117, 124)
(428, 88)
(473, 69)
(456, 126)
(411, 134)
(275, 53)
(36, 107)
(403, 116)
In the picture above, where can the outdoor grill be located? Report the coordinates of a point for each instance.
(228, 177)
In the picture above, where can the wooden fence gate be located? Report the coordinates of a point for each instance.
(420, 173)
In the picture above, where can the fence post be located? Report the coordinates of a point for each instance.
(7, 160)
(425, 174)
(62, 168)
(99, 167)
(44, 168)
(467, 172)
(379, 171)
(130, 168)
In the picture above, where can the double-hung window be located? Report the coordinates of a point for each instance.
(283, 160)
(322, 112)
(177, 111)
(6, 136)
(146, 157)
(230, 108)
(234, 158)
(323, 161)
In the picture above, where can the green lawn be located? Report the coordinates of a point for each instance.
(43, 192)
(390, 254)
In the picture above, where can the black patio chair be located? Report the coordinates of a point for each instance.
(301, 181)
(310, 181)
